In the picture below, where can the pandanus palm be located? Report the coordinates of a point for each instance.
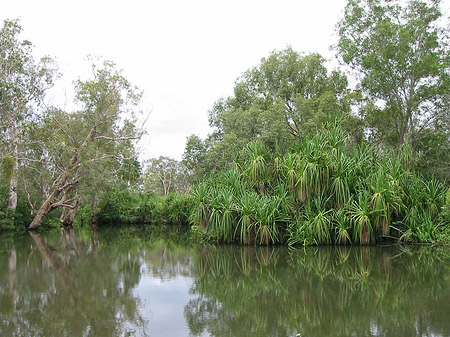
(246, 208)
(385, 198)
(315, 167)
(222, 214)
(342, 227)
(360, 214)
(318, 220)
(233, 180)
(337, 137)
(267, 218)
(434, 195)
(289, 166)
(200, 214)
(341, 178)
(256, 166)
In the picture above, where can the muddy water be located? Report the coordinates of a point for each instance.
(117, 283)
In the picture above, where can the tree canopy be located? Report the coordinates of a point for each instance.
(285, 98)
(23, 83)
(401, 54)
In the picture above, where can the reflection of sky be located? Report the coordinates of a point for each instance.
(163, 305)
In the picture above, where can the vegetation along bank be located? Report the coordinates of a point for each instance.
(296, 155)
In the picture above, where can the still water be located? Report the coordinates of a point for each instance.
(117, 283)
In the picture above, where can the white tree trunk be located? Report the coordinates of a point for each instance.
(13, 182)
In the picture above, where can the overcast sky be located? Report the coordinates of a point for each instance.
(184, 55)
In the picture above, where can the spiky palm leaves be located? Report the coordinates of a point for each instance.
(228, 210)
(246, 227)
(255, 166)
(200, 212)
(320, 192)
(341, 180)
(318, 220)
(425, 212)
(360, 214)
(386, 197)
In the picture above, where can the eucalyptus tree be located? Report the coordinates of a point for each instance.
(23, 83)
(287, 96)
(164, 175)
(401, 54)
(100, 135)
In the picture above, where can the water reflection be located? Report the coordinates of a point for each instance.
(116, 283)
(61, 289)
(342, 291)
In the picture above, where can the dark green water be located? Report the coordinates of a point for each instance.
(111, 284)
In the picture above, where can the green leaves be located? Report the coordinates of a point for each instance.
(286, 97)
(323, 191)
(400, 53)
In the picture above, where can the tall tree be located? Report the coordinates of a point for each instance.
(23, 83)
(101, 132)
(284, 97)
(280, 101)
(165, 175)
(402, 57)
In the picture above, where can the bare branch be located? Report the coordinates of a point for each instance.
(118, 138)
(33, 210)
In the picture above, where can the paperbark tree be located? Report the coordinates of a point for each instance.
(101, 131)
(165, 175)
(23, 83)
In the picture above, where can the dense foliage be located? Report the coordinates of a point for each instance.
(54, 161)
(380, 172)
(297, 155)
(324, 190)
(125, 207)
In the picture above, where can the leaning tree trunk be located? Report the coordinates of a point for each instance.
(62, 186)
(46, 207)
(51, 202)
(68, 214)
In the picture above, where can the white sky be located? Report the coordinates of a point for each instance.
(184, 55)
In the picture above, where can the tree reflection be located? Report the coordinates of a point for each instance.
(61, 293)
(86, 285)
(357, 291)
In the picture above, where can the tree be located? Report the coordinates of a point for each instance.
(288, 96)
(402, 57)
(195, 157)
(101, 132)
(284, 97)
(165, 175)
(23, 83)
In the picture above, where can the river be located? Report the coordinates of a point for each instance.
(124, 282)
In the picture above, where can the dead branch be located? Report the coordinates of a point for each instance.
(113, 139)
(33, 210)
